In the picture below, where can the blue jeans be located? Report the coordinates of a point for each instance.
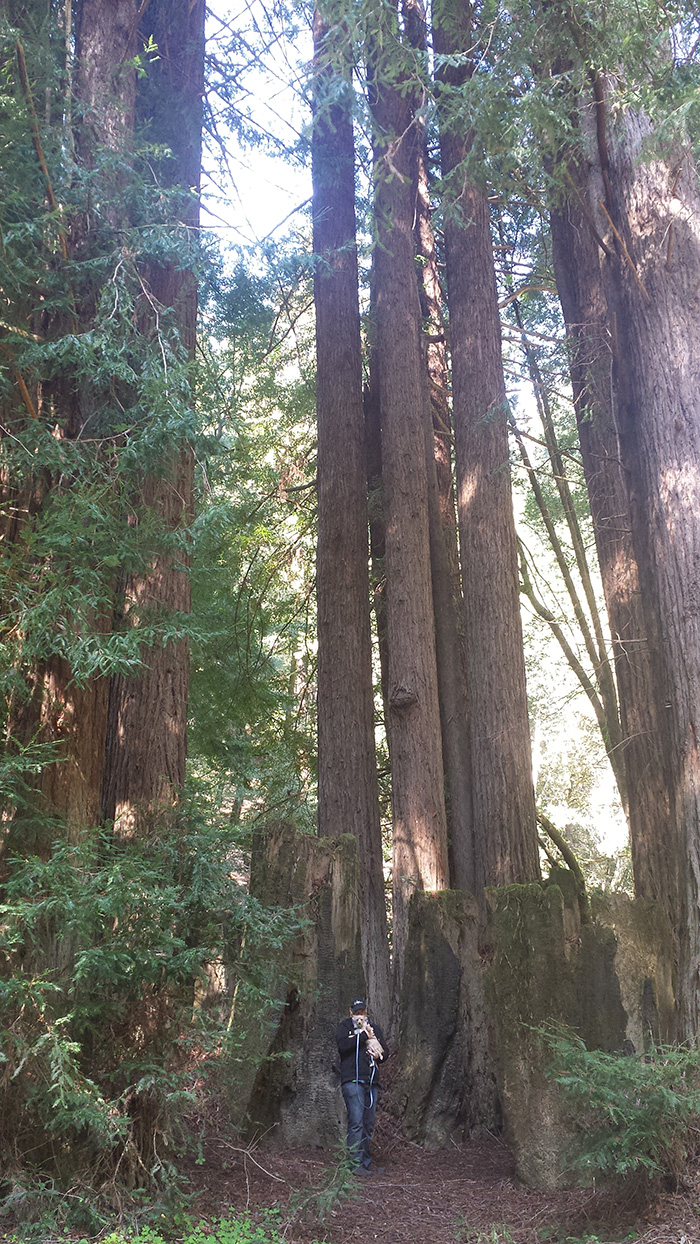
(361, 1105)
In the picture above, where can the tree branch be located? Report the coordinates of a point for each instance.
(571, 862)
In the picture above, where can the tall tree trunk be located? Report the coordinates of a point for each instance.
(146, 743)
(66, 713)
(74, 715)
(646, 210)
(447, 594)
(420, 838)
(375, 492)
(348, 800)
(444, 555)
(579, 283)
(505, 834)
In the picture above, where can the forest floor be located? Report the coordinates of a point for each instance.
(465, 1194)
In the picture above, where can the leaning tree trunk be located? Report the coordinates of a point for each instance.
(420, 839)
(505, 835)
(348, 801)
(146, 744)
(646, 211)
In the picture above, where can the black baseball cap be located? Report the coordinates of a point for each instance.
(358, 1005)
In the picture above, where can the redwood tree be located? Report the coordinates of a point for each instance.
(63, 708)
(502, 791)
(642, 711)
(643, 212)
(444, 555)
(121, 284)
(347, 774)
(413, 725)
(146, 741)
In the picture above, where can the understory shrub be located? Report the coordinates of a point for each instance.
(635, 1114)
(238, 1230)
(109, 1043)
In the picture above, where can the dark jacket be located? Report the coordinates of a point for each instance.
(355, 1062)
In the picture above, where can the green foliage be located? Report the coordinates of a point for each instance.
(253, 657)
(636, 1114)
(95, 399)
(107, 1049)
(239, 1230)
(220, 1231)
(169, 1228)
(116, 399)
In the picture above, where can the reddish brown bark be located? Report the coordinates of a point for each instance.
(75, 716)
(146, 742)
(348, 800)
(503, 803)
(420, 841)
(444, 556)
(375, 489)
(644, 209)
(579, 282)
(447, 595)
(105, 46)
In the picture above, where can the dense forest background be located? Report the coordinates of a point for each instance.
(384, 523)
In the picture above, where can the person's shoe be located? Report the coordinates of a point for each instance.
(362, 1170)
(376, 1170)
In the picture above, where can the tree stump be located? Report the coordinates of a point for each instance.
(295, 1098)
(446, 1081)
(609, 980)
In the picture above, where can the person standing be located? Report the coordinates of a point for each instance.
(361, 1048)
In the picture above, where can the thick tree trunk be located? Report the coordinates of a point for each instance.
(437, 364)
(75, 716)
(348, 800)
(420, 839)
(444, 557)
(146, 743)
(105, 45)
(503, 801)
(579, 281)
(646, 210)
(375, 493)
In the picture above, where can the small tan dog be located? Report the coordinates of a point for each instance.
(373, 1047)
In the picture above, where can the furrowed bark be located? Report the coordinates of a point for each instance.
(347, 776)
(645, 210)
(75, 715)
(579, 282)
(505, 833)
(420, 839)
(444, 556)
(146, 744)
